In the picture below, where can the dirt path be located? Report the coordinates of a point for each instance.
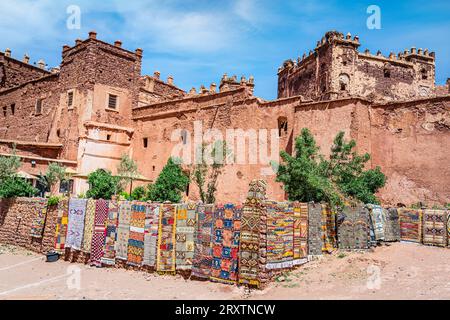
(399, 271)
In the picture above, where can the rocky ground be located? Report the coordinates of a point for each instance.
(399, 271)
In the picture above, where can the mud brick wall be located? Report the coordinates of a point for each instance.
(16, 218)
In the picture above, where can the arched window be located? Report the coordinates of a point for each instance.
(282, 126)
(344, 82)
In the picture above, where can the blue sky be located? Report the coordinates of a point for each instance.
(198, 41)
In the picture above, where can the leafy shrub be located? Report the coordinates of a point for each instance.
(103, 185)
(12, 187)
(170, 184)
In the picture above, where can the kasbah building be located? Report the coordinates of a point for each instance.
(97, 106)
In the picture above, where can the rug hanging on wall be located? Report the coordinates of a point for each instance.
(110, 234)
(328, 229)
(378, 219)
(226, 234)
(435, 227)
(89, 221)
(353, 231)
(165, 262)
(38, 224)
(136, 236)
(361, 228)
(98, 238)
(202, 262)
(300, 233)
(249, 244)
(280, 235)
(75, 227)
(410, 225)
(123, 230)
(61, 225)
(151, 234)
(392, 226)
(315, 229)
(186, 222)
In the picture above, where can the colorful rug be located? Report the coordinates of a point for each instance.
(378, 219)
(123, 230)
(280, 235)
(328, 229)
(202, 263)
(38, 224)
(61, 225)
(410, 225)
(315, 229)
(392, 225)
(186, 222)
(435, 227)
(226, 236)
(353, 231)
(249, 244)
(89, 221)
(98, 238)
(75, 227)
(300, 233)
(151, 234)
(111, 234)
(165, 262)
(361, 228)
(136, 236)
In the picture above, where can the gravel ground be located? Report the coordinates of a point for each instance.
(398, 271)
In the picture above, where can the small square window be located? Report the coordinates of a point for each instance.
(13, 108)
(145, 141)
(39, 104)
(70, 99)
(112, 101)
(4, 111)
(108, 137)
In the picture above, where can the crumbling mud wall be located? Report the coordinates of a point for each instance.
(408, 140)
(16, 218)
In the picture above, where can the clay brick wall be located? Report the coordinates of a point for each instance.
(16, 217)
(14, 72)
(409, 141)
(234, 109)
(25, 124)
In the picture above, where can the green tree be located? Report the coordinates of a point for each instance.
(55, 173)
(138, 193)
(103, 185)
(308, 176)
(9, 165)
(12, 187)
(170, 184)
(127, 171)
(205, 174)
(302, 174)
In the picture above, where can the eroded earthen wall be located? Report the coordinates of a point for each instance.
(16, 218)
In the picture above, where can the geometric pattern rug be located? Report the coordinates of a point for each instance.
(392, 226)
(202, 262)
(410, 224)
(435, 227)
(111, 234)
(185, 236)
(226, 236)
(166, 239)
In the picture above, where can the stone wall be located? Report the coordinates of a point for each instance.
(16, 218)
(14, 72)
